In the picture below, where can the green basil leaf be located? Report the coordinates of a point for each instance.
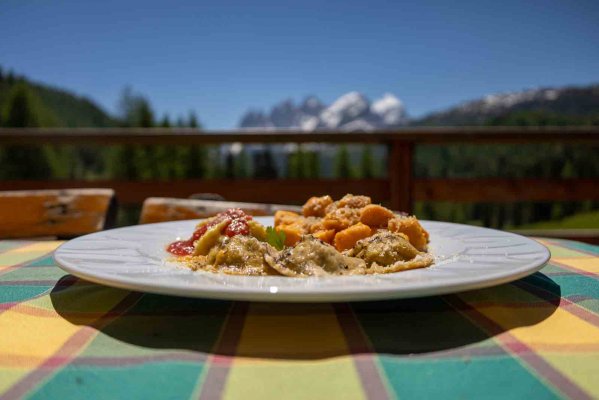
(275, 239)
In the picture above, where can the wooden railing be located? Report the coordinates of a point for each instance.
(400, 189)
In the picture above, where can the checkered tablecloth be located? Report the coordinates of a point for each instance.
(64, 338)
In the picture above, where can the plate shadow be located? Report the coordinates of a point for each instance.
(423, 326)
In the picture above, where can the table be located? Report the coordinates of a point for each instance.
(64, 338)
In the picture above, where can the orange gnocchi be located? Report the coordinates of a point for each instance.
(345, 221)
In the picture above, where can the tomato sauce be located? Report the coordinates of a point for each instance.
(181, 248)
(237, 224)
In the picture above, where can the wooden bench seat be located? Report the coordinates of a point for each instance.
(161, 209)
(55, 213)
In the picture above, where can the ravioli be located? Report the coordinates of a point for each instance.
(313, 257)
(240, 255)
(386, 252)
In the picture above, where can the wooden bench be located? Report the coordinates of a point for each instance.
(161, 209)
(56, 213)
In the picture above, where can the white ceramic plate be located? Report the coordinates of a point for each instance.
(466, 257)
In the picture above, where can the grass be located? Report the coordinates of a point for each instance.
(585, 220)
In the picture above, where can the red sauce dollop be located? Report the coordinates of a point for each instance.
(237, 224)
(237, 227)
(181, 248)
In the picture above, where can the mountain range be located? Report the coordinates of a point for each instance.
(350, 112)
(354, 112)
(571, 102)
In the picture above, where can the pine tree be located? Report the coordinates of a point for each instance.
(126, 107)
(241, 165)
(302, 170)
(313, 165)
(121, 163)
(292, 165)
(367, 162)
(193, 120)
(162, 154)
(196, 165)
(264, 165)
(197, 154)
(145, 114)
(135, 111)
(166, 122)
(213, 165)
(301, 163)
(180, 155)
(269, 166)
(10, 77)
(229, 172)
(20, 112)
(342, 163)
(25, 162)
(147, 157)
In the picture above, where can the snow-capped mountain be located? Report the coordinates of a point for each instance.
(350, 112)
(346, 109)
(390, 109)
(564, 101)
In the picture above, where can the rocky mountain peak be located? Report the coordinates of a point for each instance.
(350, 112)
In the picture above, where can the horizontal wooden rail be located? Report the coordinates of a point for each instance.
(186, 136)
(295, 191)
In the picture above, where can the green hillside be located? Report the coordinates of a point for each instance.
(584, 220)
(60, 108)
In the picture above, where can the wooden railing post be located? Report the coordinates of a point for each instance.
(401, 178)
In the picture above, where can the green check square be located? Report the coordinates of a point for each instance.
(12, 293)
(469, 378)
(163, 380)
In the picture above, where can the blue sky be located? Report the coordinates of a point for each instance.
(221, 58)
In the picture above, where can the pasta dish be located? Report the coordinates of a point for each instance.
(350, 236)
